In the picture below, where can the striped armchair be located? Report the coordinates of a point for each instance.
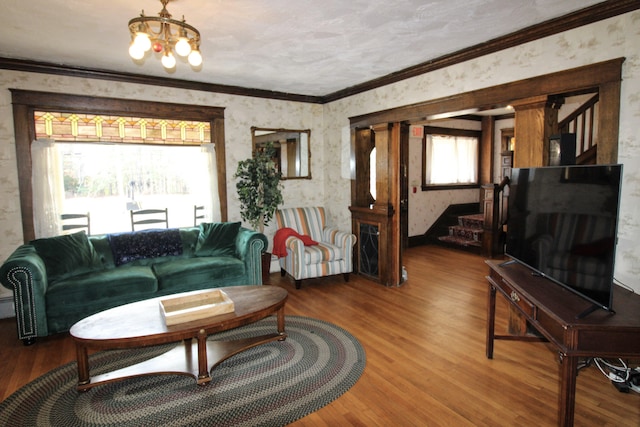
(333, 253)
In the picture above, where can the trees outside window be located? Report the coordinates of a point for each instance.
(110, 180)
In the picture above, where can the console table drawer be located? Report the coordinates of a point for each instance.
(516, 297)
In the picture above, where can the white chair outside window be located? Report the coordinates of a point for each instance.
(146, 217)
(76, 222)
(198, 215)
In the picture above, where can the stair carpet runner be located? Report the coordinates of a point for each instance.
(468, 231)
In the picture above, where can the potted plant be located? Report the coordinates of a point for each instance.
(259, 191)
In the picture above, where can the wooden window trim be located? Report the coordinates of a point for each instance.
(26, 102)
(433, 130)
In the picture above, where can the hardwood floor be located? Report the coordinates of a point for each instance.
(425, 347)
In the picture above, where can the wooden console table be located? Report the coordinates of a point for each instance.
(552, 310)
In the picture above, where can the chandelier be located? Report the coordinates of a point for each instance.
(164, 35)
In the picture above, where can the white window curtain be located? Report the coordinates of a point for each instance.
(451, 160)
(211, 197)
(48, 188)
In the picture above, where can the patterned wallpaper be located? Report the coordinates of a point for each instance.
(612, 38)
(330, 186)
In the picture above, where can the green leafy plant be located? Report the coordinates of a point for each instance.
(258, 186)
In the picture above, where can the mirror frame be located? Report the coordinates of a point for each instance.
(257, 139)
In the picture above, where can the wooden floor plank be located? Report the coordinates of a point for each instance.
(425, 348)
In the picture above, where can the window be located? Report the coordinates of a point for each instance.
(168, 123)
(110, 180)
(113, 165)
(164, 123)
(450, 158)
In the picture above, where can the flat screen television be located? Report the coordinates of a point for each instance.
(562, 223)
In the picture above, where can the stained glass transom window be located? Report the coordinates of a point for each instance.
(136, 130)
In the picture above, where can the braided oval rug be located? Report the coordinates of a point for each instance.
(272, 384)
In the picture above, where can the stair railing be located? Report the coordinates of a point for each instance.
(581, 122)
(494, 205)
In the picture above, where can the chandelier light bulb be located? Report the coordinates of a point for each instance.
(195, 58)
(183, 48)
(165, 37)
(135, 51)
(168, 60)
(142, 41)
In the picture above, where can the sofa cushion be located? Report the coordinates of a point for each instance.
(103, 249)
(217, 239)
(145, 244)
(322, 252)
(113, 283)
(77, 297)
(189, 238)
(199, 273)
(68, 255)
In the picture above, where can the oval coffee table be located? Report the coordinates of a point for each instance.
(141, 324)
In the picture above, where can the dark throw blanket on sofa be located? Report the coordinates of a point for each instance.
(127, 247)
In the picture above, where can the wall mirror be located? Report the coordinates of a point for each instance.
(293, 152)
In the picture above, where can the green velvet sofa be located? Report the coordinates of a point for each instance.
(59, 280)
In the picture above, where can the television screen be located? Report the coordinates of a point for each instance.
(562, 223)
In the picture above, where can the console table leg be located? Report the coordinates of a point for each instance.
(491, 321)
(569, 372)
(203, 366)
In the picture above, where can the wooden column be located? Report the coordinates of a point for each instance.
(485, 174)
(387, 137)
(608, 122)
(395, 195)
(536, 120)
(384, 212)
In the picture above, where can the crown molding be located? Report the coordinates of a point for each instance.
(64, 70)
(597, 12)
(589, 15)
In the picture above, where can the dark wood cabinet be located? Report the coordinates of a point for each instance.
(555, 313)
(373, 246)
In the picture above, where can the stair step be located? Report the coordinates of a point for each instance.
(468, 232)
(459, 241)
(474, 234)
(475, 221)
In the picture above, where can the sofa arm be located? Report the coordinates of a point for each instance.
(249, 246)
(344, 240)
(339, 238)
(294, 261)
(25, 274)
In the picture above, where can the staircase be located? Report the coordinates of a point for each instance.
(468, 232)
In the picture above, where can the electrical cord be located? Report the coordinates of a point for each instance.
(624, 285)
(621, 375)
(618, 374)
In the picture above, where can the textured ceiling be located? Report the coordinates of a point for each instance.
(310, 47)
